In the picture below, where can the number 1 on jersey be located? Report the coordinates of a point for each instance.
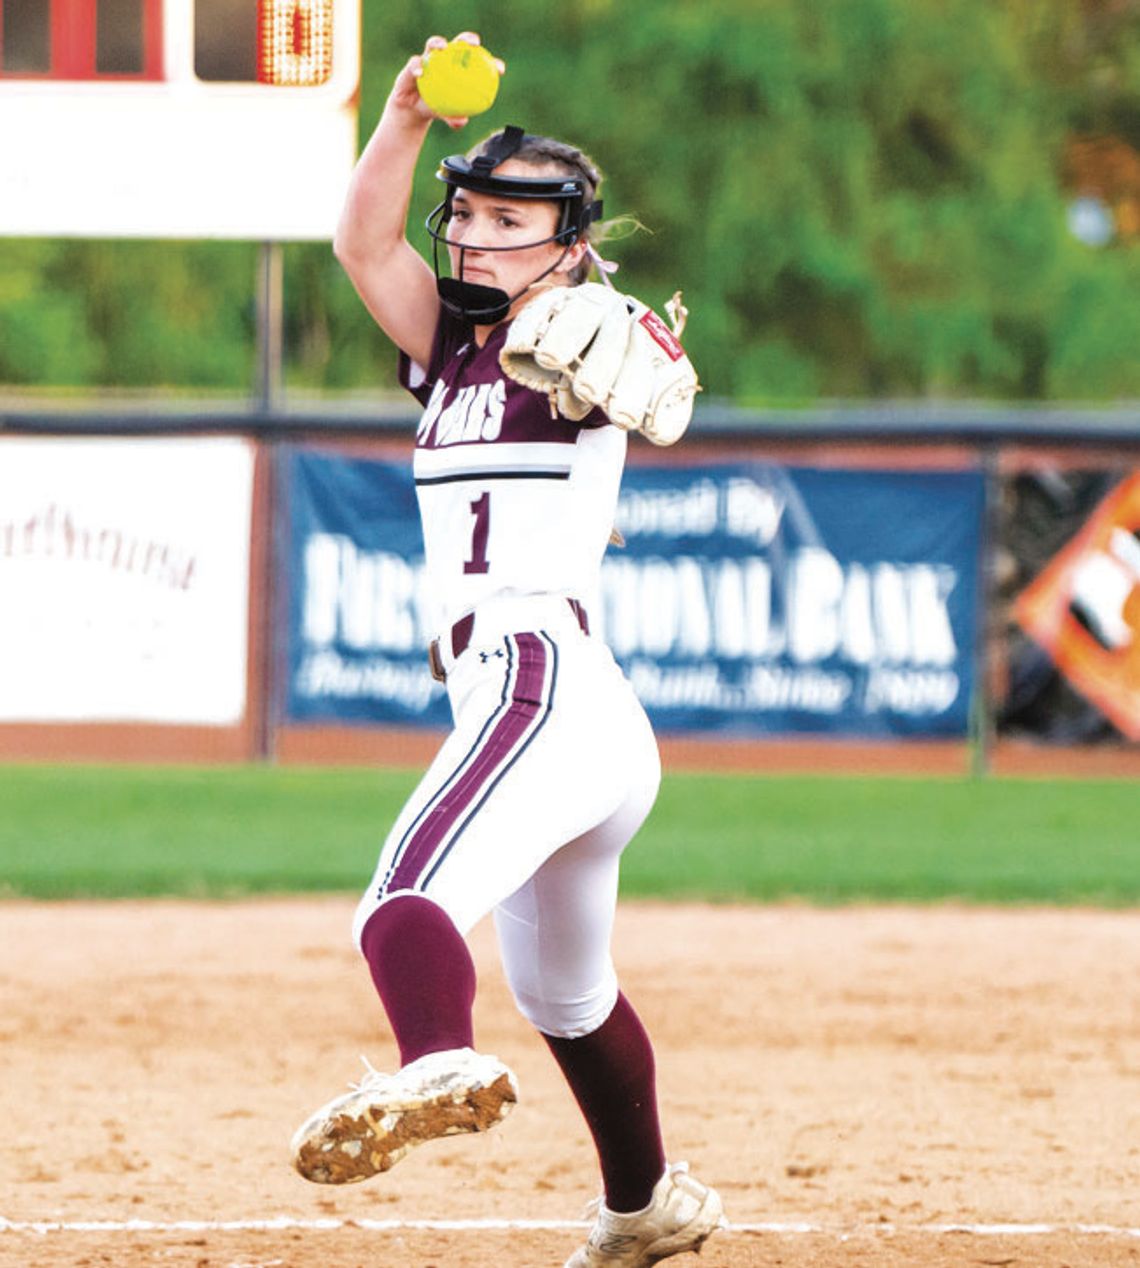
(481, 509)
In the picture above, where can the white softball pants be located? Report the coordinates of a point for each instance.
(550, 770)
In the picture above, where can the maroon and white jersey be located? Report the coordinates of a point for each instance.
(512, 501)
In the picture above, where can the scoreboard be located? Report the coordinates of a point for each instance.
(177, 118)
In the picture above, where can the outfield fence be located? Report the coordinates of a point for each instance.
(886, 587)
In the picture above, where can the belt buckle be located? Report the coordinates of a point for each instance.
(435, 661)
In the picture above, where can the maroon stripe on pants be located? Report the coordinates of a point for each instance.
(482, 771)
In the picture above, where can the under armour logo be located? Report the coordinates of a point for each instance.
(486, 656)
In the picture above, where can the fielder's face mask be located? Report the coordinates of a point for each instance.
(486, 305)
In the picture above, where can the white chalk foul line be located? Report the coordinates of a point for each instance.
(280, 1222)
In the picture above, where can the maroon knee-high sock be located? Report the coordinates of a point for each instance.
(613, 1077)
(423, 973)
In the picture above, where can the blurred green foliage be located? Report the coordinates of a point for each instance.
(860, 198)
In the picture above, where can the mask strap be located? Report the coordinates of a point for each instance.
(499, 149)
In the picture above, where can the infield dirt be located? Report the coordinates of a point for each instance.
(860, 1078)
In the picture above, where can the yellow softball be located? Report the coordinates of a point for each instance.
(461, 79)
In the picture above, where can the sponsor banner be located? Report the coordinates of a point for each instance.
(358, 624)
(756, 599)
(124, 580)
(748, 599)
(1083, 608)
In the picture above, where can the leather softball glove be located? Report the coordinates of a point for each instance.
(589, 345)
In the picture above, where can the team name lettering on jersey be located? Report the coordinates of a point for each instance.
(475, 413)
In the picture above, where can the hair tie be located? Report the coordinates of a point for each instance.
(604, 267)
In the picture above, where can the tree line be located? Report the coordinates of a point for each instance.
(859, 198)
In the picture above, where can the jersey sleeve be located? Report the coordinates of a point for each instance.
(450, 332)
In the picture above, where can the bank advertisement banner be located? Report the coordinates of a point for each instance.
(359, 624)
(747, 600)
(124, 579)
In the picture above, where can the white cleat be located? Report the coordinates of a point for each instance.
(683, 1214)
(385, 1116)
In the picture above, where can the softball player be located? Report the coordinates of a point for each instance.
(551, 767)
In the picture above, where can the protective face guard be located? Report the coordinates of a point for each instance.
(487, 305)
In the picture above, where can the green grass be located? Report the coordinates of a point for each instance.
(129, 831)
(831, 840)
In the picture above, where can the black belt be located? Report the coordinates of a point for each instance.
(460, 638)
